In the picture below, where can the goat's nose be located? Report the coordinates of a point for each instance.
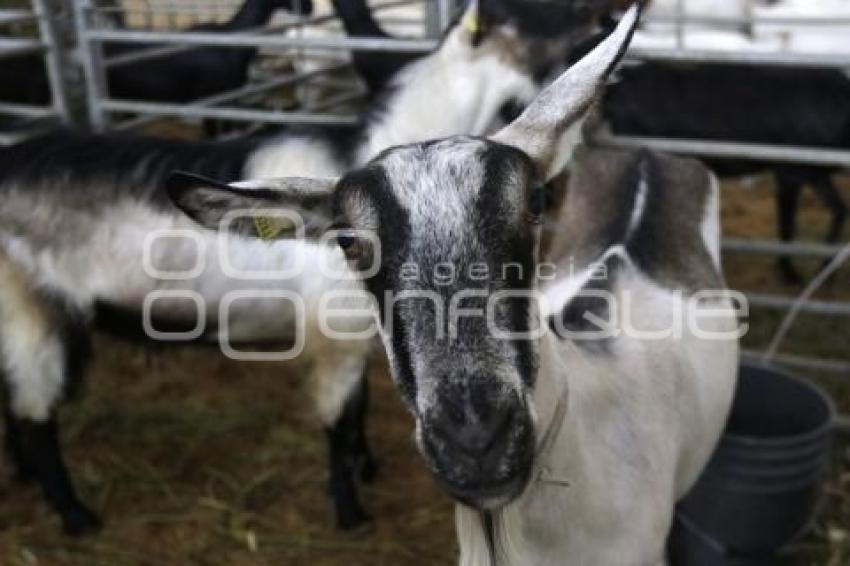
(472, 431)
(479, 438)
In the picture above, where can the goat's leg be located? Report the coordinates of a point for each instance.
(340, 398)
(367, 466)
(23, 471)
(37, 363)
(345, 461)
(43, 455)
(787, 199)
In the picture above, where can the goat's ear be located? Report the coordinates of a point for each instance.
(550, 128)
(474, 26)
(266, 209)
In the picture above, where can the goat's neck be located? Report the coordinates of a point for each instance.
(555, 436)
(457, 90)
(253, 13)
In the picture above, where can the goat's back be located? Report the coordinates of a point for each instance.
(732, 102)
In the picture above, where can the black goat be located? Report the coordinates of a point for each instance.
(186, 76)
(376, 68)
(196, 73)
(800, 107)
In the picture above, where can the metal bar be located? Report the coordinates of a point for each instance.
(26, 110)
(767, 58)
(49, 37)
(731, 150)
(678, 20)
(133, 123)
(157, 52)
(827, 308)
(12, 46)
(328, 82)
(337, 100)
(756, 20)
(250, 90)
(92, 62)
(445, 9)
(190, 11)
(802, 362)
(144, 54)
(10, 16)
(227, 113)
(798, 249)
(261, 40)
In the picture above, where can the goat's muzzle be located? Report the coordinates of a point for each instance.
(481, 456)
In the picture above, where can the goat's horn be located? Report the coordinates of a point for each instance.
(550, 127)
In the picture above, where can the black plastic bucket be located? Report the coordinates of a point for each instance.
(761, 486)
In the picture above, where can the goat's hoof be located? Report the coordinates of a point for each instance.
(355, 521)
(368, 470)
(80, 521)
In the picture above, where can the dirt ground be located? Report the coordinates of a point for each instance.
(196, 460)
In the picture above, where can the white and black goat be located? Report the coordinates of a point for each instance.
(76, 211)
(741, 103)
(560, 449)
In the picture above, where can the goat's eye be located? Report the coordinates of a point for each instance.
(536, 204)
(349, 243)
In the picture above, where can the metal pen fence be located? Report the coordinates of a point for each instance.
(48, 45)
(104, 108)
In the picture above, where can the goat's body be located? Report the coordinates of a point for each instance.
(643, 414)
(76, 211)
(794, 107)
(97, 264)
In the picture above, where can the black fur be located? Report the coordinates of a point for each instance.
(66, 161)
(182, 77)
(543, 18)
(802, 107)
(501, 164)
(196, 73)
(350, 459)
(41, 456)
(376, 68)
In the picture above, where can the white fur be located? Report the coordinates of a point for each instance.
(640, 425)
(711, 221)
(459, 90)
(32, 354)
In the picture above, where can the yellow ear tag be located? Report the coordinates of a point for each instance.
(472, 24)
(270, 227)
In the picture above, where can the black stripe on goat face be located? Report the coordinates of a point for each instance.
(458, 239)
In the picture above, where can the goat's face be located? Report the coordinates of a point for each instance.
(457, 222)
(444, 234)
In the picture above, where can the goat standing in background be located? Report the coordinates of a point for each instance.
(559, 449)
(199, 72)
(376, 68)
(75, 211)
(742, 103)
(182, 77)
